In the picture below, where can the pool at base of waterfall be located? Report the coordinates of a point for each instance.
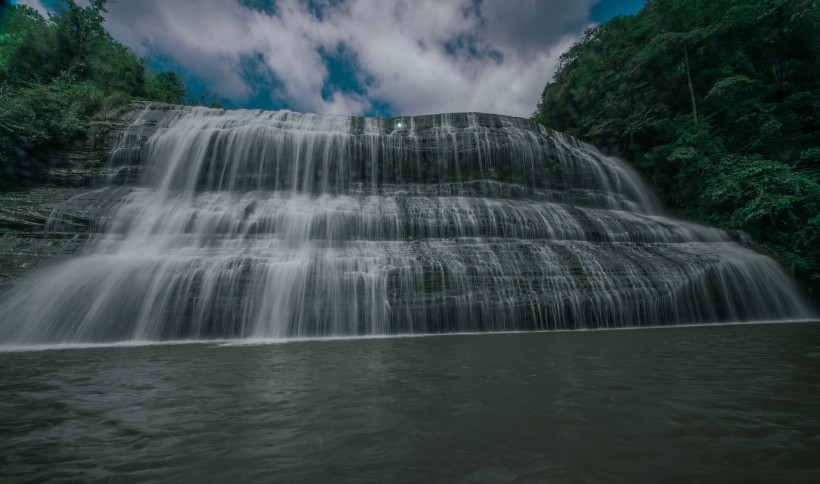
(735, 403)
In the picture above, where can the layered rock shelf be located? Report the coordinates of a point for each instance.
(206, 223)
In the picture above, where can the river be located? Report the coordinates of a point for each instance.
(735, 403)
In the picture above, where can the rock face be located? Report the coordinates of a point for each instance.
(225, 224)
(24, 241)
(46, 224)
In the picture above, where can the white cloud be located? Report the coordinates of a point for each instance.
(205, 37)
(416, 74)
(416, 56)
(36, 5)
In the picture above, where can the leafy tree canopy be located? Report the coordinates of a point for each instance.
(60, 75)
(717, 102)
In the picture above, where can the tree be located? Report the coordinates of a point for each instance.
(716, 102)
(78, 30)
(166, 87)
(56, 75)
(26, 43)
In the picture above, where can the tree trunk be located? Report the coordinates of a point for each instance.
(691, 89)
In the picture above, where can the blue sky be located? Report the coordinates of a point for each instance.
(606, 9)
(373, 57)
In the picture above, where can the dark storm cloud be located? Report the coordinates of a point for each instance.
(360, 56)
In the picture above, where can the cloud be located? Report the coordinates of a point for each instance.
(528, 25)
(360, 56)
(36, 5)
(406, 52)
(207, 38)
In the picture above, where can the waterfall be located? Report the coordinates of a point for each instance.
(258, 224)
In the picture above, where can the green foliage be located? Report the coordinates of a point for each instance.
(115, 70)
(717, 103)
(58, 75)
(25, 44)
(166, 87)
(38, 121)
(77, 32)
(768, 197)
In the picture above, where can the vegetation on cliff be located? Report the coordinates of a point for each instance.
(58, 77)
(717, 103)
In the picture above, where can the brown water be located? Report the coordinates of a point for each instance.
(692, 404)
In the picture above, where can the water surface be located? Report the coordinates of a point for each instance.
(694, 404)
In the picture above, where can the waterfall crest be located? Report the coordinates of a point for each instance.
(246, 224)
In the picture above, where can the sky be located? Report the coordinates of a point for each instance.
(361, 57)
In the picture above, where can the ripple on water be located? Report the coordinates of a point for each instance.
(706, 404)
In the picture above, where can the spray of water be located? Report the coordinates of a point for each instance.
(255, 224)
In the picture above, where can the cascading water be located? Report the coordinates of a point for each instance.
(251, 224)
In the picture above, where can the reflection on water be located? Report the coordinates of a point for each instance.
(698, 404)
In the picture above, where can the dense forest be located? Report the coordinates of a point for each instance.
(718, 103)
(58, 78)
